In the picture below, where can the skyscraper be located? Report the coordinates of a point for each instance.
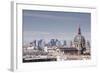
(64, 43)
(41, 44)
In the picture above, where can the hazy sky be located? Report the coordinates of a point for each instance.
(51, 24)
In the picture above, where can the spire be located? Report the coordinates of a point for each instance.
(79, 30)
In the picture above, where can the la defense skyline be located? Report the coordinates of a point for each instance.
(39, 51)
(49, 25)
(78, 39)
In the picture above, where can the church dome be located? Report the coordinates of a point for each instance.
(79, 38)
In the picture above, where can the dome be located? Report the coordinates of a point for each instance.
(79, 39)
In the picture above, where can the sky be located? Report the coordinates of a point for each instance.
(55, 25)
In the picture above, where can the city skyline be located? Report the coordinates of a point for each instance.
(54, 25)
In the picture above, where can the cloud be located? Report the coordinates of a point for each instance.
(43, 16)
(35, 33)
(32, 35)
(47, 16)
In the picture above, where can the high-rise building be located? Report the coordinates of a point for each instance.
(41, 44)
(34, 42)
(64, 43)
(71, 44)
(53, 42)
(58, 43)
